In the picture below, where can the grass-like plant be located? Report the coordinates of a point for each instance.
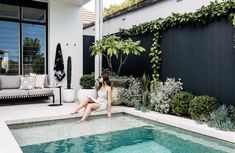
(219, 118)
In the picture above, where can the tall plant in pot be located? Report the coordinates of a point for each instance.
(112, 47)
(87, 83)
(69, 93)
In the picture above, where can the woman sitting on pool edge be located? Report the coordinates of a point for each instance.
(103, 101)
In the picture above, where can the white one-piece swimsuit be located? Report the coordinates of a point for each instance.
(102, 99)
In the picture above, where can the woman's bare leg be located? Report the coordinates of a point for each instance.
(88, 110)
(81, 105)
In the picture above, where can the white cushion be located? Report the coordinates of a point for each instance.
(27, 83)
(39, 80)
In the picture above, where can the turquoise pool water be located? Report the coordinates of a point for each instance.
(140, 136)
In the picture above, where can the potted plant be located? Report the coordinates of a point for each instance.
(87, 83)
(113, 46)
(69, 93)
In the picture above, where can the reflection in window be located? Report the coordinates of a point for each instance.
(9, 47)
(34, 48)
(33, 14)
(9, 11)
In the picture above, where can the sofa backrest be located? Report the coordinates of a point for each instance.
(9, 81)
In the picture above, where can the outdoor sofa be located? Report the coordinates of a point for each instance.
(10, 89)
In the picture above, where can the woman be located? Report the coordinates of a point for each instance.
(102, 102)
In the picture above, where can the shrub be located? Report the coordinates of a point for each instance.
(161, 94)
(180, 103)
(219, 118)
(87, 81)
(232, 113)
(202, 105)
(132, 95)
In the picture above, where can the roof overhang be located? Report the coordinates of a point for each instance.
(73, 2)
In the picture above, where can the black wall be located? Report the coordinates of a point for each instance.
(203, 57)
(88, 61)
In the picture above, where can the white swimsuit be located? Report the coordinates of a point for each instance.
(102, 99)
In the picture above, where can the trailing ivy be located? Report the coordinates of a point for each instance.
(214, 11)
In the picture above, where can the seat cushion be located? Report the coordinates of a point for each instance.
(10, 81)
(40, 91)
(13, 92)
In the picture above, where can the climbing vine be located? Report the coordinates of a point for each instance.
(202, 16)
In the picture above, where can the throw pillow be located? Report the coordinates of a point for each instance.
(39, 80)
(27, 83)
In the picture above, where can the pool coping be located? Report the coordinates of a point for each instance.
(8, 143)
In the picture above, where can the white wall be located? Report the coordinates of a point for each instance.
(161, 9)
(65, 27)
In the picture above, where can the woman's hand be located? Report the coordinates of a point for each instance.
(109, 114)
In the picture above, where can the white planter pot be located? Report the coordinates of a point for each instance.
(69, 95)
(84, 93)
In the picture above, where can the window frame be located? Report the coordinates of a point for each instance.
(30, 4)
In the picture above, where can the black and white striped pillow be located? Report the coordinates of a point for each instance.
(27, 83)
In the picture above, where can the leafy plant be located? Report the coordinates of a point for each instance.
(114, 46)
(214, 11)
(219, 118)
(87, 81)
(145, 83)
(132, 95)
(202, 105)
(180, 103)
(114, 8)
(69, 72)
(161, 94)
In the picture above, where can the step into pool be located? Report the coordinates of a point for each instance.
(120, 134)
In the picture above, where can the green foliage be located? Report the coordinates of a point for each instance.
(202, 16)
(87, 81)
(38, 64)
(160, 97)
(202, 105)
(145, 83)
(114, 8)
(232, 113)
(180, 103)
(219, 118)
(69, 72)
(132, 95)
(114, 46)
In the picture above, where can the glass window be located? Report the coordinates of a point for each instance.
(9, 11)
(9, 47)
(34, 48)
(33, 14)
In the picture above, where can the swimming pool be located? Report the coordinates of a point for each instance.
(122, 133)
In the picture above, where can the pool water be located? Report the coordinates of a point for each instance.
(120, 134)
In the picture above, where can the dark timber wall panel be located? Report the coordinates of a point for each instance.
(203, 57)
(88, 61)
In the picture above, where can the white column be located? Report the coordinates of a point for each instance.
(98, 33)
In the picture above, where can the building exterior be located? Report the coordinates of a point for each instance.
(144, 11)
(30, 31)
(87, 17)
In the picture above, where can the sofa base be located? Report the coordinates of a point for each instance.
(12, 99)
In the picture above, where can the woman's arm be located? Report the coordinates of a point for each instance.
(109, 102)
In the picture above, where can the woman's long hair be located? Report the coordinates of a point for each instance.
(105, 80)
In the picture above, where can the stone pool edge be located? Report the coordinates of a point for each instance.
(8, 143)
